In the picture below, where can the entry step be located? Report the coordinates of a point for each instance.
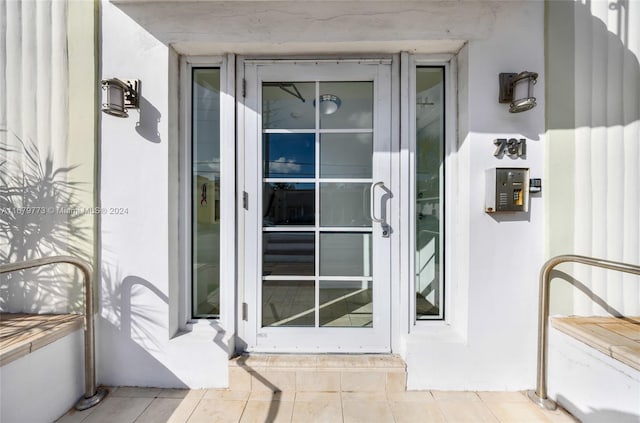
(317, 373)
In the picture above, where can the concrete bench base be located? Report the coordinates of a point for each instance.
(592, 371)
(42, 372)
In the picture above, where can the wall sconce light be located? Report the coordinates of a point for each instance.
(120, 95)
(517, 89)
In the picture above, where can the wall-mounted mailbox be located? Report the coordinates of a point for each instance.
(507, 189)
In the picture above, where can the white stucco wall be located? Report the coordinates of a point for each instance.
(593, 128)
(137, 343)
(43, 385)
(492, 343)
(592, 386)
(497, 257)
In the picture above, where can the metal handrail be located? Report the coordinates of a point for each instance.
(539, 396)
(92, 394)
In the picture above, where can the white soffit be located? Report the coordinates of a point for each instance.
(249, 27)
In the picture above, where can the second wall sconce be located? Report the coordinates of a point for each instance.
(517, 90)
(120, 95)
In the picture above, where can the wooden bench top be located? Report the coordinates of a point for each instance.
(617, 337)
(21, 334)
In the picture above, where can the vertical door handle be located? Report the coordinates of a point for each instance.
(373, 200)
(380, 220)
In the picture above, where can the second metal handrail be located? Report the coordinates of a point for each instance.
(92, 394)
(539, 396)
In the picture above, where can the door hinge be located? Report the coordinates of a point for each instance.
(245, 200)
(244, 87)
(245, 312)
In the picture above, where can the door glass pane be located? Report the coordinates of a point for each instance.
(288, 303)
(288, 105)
(429, 170)
(288, 204)
(346, 105)
(289, 155)
(345, 204)
(346, 155)
(345, 254)
(288, 253)
(346, 304)
(206, 192)
(292, 284)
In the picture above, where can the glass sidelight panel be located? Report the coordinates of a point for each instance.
(346, 303)
(345, 254)
(429, 188)
(288, 303)
(206, 192)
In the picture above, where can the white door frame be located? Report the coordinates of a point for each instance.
(251, 336)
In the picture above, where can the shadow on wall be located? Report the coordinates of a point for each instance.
(133, 324)
(588, 292)
(147, 125)
(39, 217)
(619, 70)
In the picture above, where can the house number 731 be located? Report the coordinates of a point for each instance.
(512, 146)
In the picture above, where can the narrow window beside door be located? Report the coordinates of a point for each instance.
(429, 165)
(205, 148)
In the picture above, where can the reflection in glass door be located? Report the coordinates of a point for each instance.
(316, 228)
(321, 262)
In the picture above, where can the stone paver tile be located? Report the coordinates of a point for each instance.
(466, 411)
(364, 396)
(317, 407)
(413, 412)
(396, 381)
(119, 409)
(363, 381)
(455, 396)
(182, 393)
(239, 379)
(175, 410)
(317, 381)
(267, 411)
(363, 411)
(184, 411)
(409, 396)
(503, 396)
(272, 396)
(217, 411)
(226, 394)
(75, 416)
(273, 381)
(136, 392)
(516, 412)
(293, 361)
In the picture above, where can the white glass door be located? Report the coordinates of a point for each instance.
(317, 172)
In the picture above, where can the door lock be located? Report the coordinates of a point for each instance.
(385, 230)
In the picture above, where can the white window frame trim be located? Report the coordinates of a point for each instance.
(226, 320)
(446, 326)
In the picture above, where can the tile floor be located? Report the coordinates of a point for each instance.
(126, 404)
